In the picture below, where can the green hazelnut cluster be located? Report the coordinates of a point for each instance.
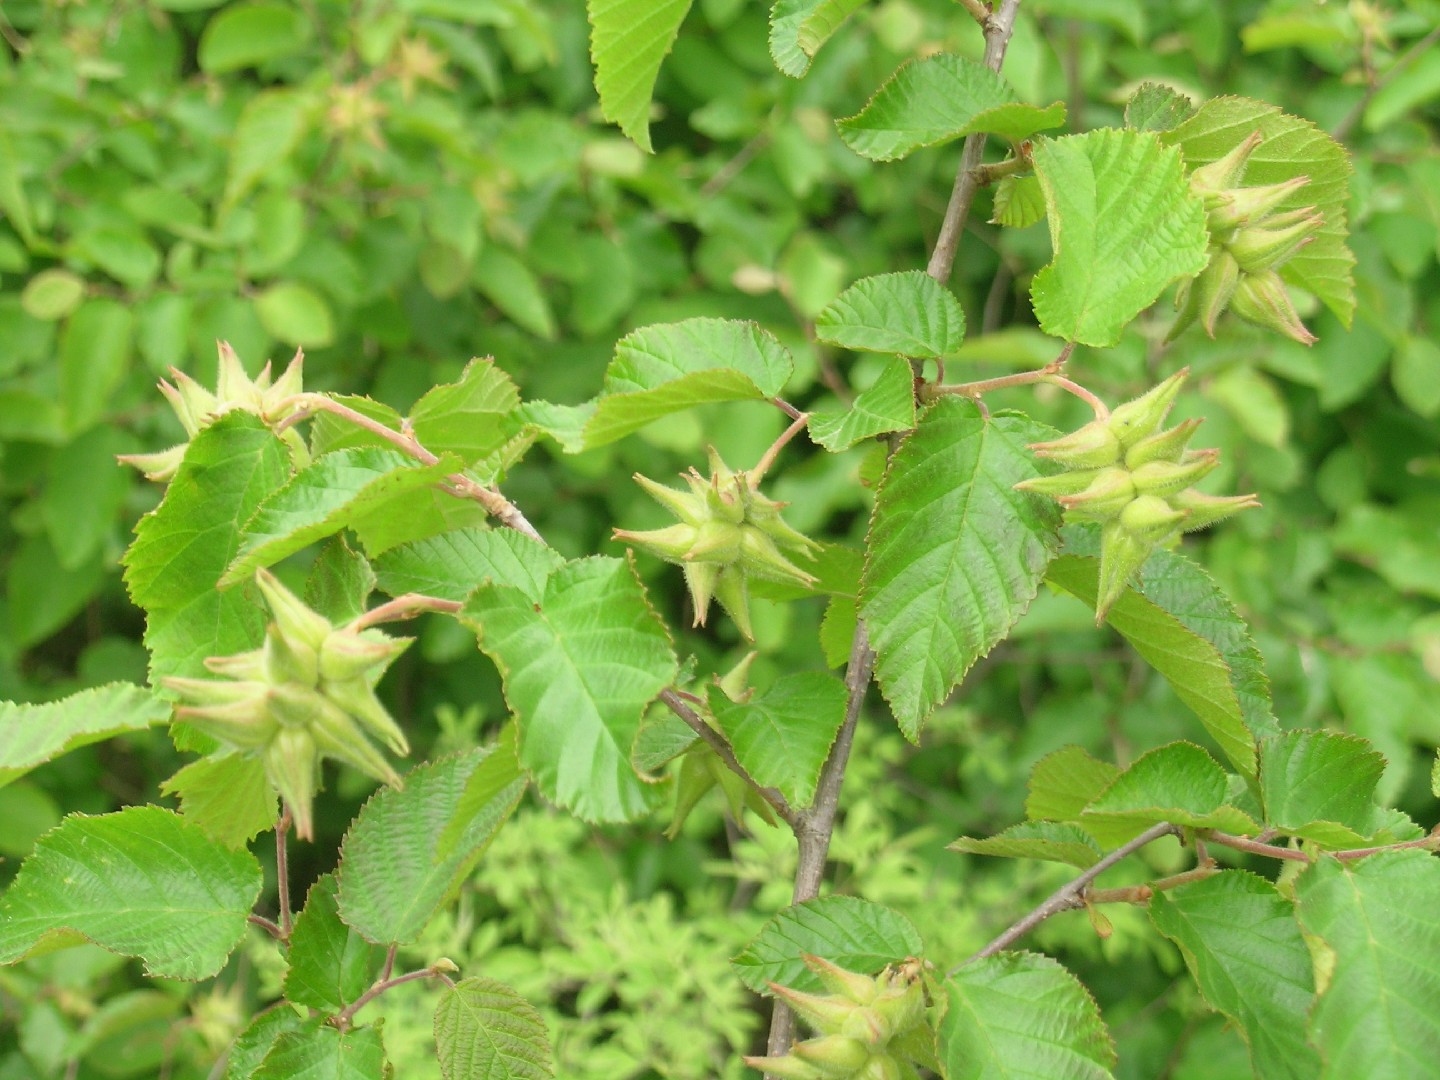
(198, 408)
(1250, 239)
(867, 1027)
(306, 694)
(1133, 479)
(728, 533)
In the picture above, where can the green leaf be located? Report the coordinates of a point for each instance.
(658, 370)
(1192, 665)
(1415, 374)
(42, 594)
(126, 254)
(888, 405)
(329, 432)
(1019, 1014)
(296, 314)
(798, 28)
(1157, 108)
(955, 555)
(579, 666)
(229, 797)
(1179, 783)
(84, 494)
(513, 288)
(251, 1045)
(1245, 951)
(12, 192)
(1048, 840)
(467, 418)
(94, 357)
(1292, 147)
(340, 582)
(628, 40)
(1321, 785)
(1375, 928)
(484, 1028)
(1063, 783)
(782, 736)
(908, 313)
(330, 965)
(181, 548)
(270, 127)
(35, 734)
(855, 934)
(140, 882)
(52, 294)
(245, 35)
(1019, 202)
(932, 101)
(392, 876)
(317, 1051)
(452, 564)
(488, 786)
(1124, 224)
(340, 490)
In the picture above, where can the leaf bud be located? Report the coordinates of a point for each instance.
(1122, 554)
(337, 736)
(788, 1067)
(291, 764)
(356, 698)
(1261, 299)
(1167, 477)
(1241, 206)
(860, 989)
(298, 624)
(1106, 496)
(1166, 445)
(1150, 519)
(735, 683)
(760, 556)
(345, 654)
(834, 1055)
(1267, 246)
(1203, 510)
(1141, 418)
(1092, 446)
(1064, 483)
(1228, 171)
(1214, 288)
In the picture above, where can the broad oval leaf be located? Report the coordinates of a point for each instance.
(888, 405)
(1051, 841)
(229, 797)
(783, 736)
(483, 1028)
(955, 554)
(35, 734)
(329, 964)
(909, 313)
(468, 417)
(141, 882)
(1321, 785)
(628, 40)
(856, 934)
(1066, 781)
(317, 1051)
(1154, 107)
(452, 564)
(393, 876)
(1245, 951)
(1124, 224)
(270, 127)
(799, 27)
(249, 1048)
(248, 34)
(1020, 1014)
(579, 665)
(1179, 783)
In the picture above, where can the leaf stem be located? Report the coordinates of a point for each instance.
(407, 606)
(762, 466)
(1050, 373)
(1140, 894)
(1273, 851)
(985, 175)
(436, 970)
(265, 924)
(979, 10)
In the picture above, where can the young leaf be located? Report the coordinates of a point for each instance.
(452, 564)
(392, 877)
(888, 405)
(316, 1051)
(467, 418)
(1377, 933)
(782, 736)
(853, 933)
(340, 582)
(141, 882)
(1157, 108)
(579, 666)
(339, 490)
(251, 1045)
(484, 1028)
(1020, 1014)
(270, 127)
(798, 28)
(229, 797)
(35, 734)
(1124, 224)
(1178, 782)
(955, 555)
(181, 548)
(1019, 202)
(1049, 840)
(330, 965)
(1245, 951)
(658, 370)
(628, 40)
(1063, 783)
(909, 313)
(1321, 785)
(932, 101)
(1292, 147)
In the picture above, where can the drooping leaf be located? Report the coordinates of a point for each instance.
(955, 555)
(1376, 928)
(628, 40)
(35, 734)
(579, 665)
(229, 797)
(1019, 202)
(783, 735)
(483, 1028)
(250, 34)
(140, 882)
(468, 417)
(392, 878)
(340, 490)
(798, 28)
(340, 582)
(452, 564)
(932, 101)
(1321, 785)
(658, 370)
(511, 285)
(855, 934)
(1020, 1014)
(1124, 224)
(1063, 783)
(270, 127)
(1179, 783)
(888, 405)
(1049, 840)
(489, 786)
(909, 313)
(1154, 107)
(1243, 946)
(329, 964)
(317, 1051)
(183, 547)
(1292, 147)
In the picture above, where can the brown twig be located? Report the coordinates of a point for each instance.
(408, 606)
(1141, 894)
(436, 970)
(979, 10)
(761, 467)
(1258, 846)
(273, 929)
